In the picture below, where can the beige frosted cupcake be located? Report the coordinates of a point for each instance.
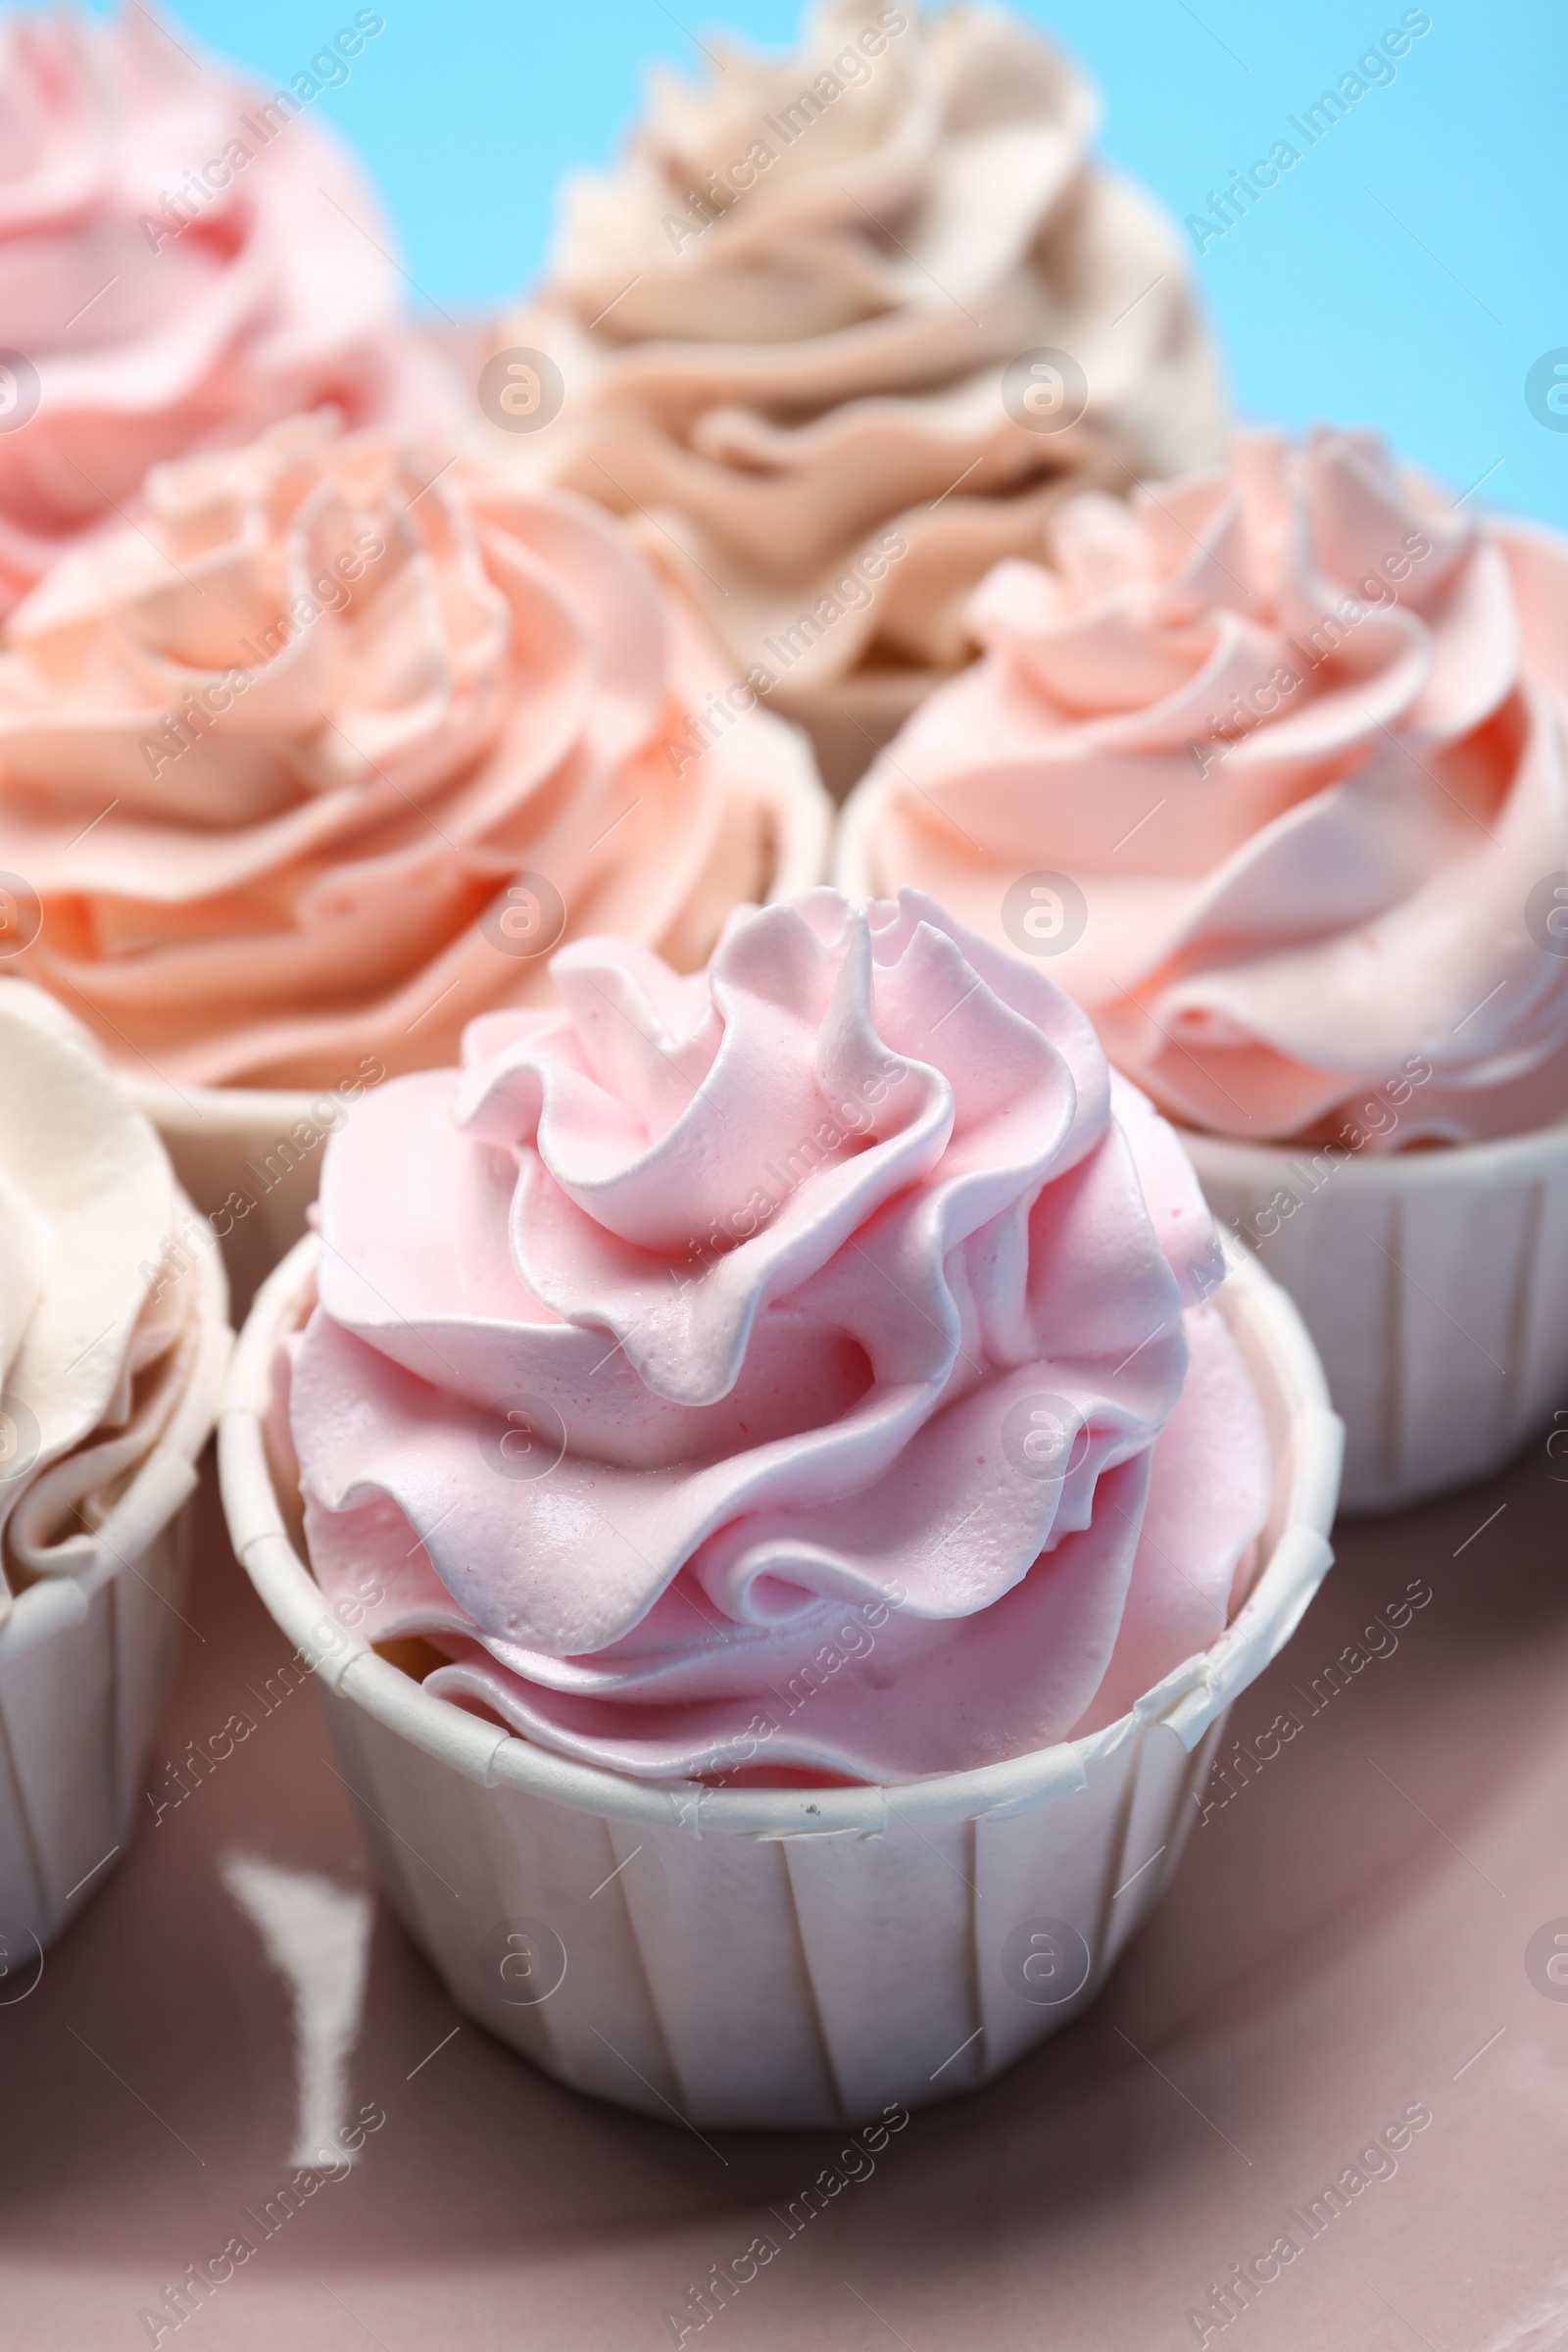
(840, 330)
(806, 1492)
(113, 1343)
(1271, 765)
(323, 758)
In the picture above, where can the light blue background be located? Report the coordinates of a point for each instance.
(1328, 306)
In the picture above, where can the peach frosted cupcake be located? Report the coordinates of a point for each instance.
(322, 759)
(1270, 764)
(809, 1468)
(112, 1342)
(846, 326)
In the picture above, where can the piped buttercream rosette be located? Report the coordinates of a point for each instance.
(783, 327)
(321, 759)
(807, 1365)
(184, 259)
(1297, 733)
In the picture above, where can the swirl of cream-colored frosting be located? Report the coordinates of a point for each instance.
(807, 1365)
(110, 1344)
(1298, 731)
(314, 763)
(783, 325)
(183, 259)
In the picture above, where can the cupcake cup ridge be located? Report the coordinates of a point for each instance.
(753, 1963)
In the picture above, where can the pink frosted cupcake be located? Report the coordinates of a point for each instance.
(849, 323)
(323, 757)
(183, 259)
(1271, 767)
(791, 1400)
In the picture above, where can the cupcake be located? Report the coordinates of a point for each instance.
(319, 760)
(113, 1343)
(788, 1420)
(1270, 764)
(842, 329)
(183, 259)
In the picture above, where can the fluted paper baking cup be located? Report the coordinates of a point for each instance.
(250, 1158)
(1436, 1287)
(86, 1662)
(778, 1957)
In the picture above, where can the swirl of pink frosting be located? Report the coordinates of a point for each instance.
(1296, 730)
(783, 325)
(273, 763)
(182, 261)
(804, 1366)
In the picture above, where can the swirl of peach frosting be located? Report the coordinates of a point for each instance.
(804, 1366)
(111, 1337)
(314, 763)
(1295, 731)
(182, 261)
(783, 325)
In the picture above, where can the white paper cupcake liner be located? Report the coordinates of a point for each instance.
(1433, 1283)
(767, 1957)
(86, 1662)
(243, 1154)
